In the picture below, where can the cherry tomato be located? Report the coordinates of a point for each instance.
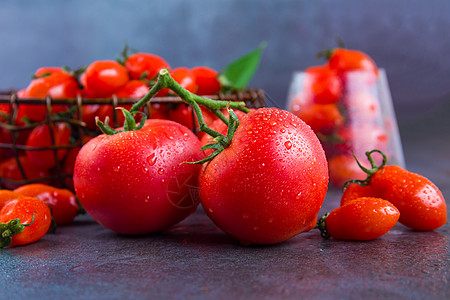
(7, 195)
(270, 183)
(362, 219)
(324, 84)
(58, 85)
(45, 71)
(135, 89)
(103, 77)
(133, 182)
(185, 78)
(9, 170)
(420, 202)
(41, 137)
(158, 111)
(183, 114)
(23, 221)
(342, 168)
(323, 118)
(145, 65)
(206, 80)
(346, 60)
(63, 204)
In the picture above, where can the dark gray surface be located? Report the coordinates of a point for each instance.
(194, 260)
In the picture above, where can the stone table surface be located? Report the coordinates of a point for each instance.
(195, 260)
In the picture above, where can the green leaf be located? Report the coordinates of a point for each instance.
(239, 72)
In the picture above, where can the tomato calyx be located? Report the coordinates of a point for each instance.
(13, 227)
(322, 226)
(374, 168)
(129, 123)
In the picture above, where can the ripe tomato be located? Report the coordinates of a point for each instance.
(18, 225)
(45, 71)
(58, 85)
(183, 114)
(63, 204)
(158, 111)
(41, 137)
(420, 202)
(324, 84)
(323, 118)
(206, 80)
(9, 171)
(342, 168)
(135, 89)
(362, 219)
(270, 183)
(103, 77)
(133, 182)
(7, 195)
(346, 60)
(145, 65)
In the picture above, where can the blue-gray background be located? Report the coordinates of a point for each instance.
(410, 39)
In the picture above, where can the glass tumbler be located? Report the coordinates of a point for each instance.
(351, 114)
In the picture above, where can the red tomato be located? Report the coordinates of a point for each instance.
(45, 71)
(420, 202)
(362, 219)
(185, 78)
(41, 137)
(345, 60)
(145, 65)
(323, 118)
(63, 204)
(133, 182)
(324, 84)
(206, 79)
(134, 89)
(270, 183)
(7, 195)
(58, 85)
(18, 226)
(103, 77)
(158, 111)
(184, 115)
(10, 171)
(342, 168)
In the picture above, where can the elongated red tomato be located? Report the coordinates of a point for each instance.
(134, 182)
(270, 183)
(18, 212)
(362, 219)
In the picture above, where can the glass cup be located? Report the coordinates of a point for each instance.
(351, 114)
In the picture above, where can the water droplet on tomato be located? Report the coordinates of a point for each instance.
(288, 145)
(144, 170)
(116, 168)
(262, 165)
(151, 159)
(160, 171)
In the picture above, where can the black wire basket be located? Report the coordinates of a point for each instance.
(13, 170)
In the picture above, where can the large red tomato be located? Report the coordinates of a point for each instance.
(133, 182)
(270, 183)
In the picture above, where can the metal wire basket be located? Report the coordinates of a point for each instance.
(12, 148)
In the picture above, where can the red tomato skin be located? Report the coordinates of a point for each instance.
(362, 219)
(354, 191)
(342, 168)
(63, 204)
(206, 80)
(420, 202)
(10, 170)
(40, 137)
(270, 183)
(140, 190)
(103, 77)
(134, 89)
(23, 208)
(345, 60)
(141, 62)
(323, 118)
(325, 84)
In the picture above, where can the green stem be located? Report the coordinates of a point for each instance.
(322, 226)
(374, 168)
(13, 227)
